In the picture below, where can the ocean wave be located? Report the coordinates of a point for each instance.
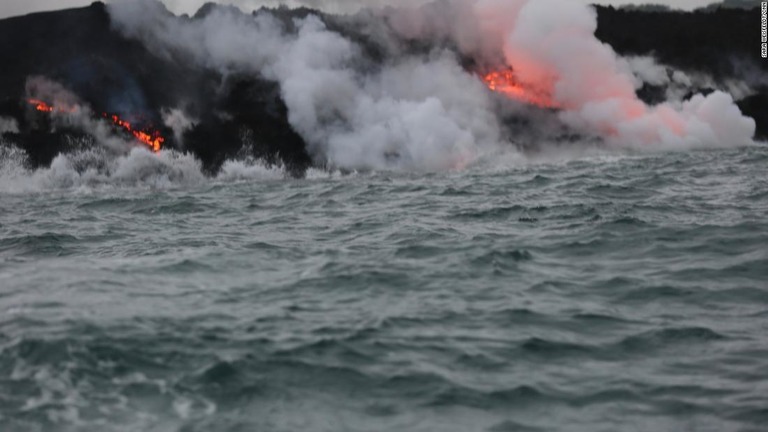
(97, 169)
(100, 168)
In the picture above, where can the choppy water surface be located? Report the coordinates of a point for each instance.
(608, 293)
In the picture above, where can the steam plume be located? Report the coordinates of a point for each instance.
(559, 51)
(413, 113)
(424, 109)
(551, 46)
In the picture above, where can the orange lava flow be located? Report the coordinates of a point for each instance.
(41, 106)
(504, 82)
(151, 139)
(44, 107)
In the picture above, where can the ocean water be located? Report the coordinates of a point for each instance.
(604, 292)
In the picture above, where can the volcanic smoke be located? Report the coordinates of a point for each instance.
(419, 110)
(551, 45)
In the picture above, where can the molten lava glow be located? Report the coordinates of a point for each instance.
(504, 82)
(44, 107)
(41, 106)
(151, 139)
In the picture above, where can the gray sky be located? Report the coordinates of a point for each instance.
(18, 7)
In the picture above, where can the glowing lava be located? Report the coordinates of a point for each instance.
(41, 106)
(44, 107)
(151, 139)
(504, 82)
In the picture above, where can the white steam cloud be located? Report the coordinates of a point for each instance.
(178, 122)
(559, 51)
(426, 111)
(551, 46)
(412, 114)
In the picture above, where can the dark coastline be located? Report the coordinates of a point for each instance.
(79, 49)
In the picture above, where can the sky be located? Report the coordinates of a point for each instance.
(19, 7)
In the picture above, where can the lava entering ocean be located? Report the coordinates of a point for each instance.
(151, 138)
(504, 82)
